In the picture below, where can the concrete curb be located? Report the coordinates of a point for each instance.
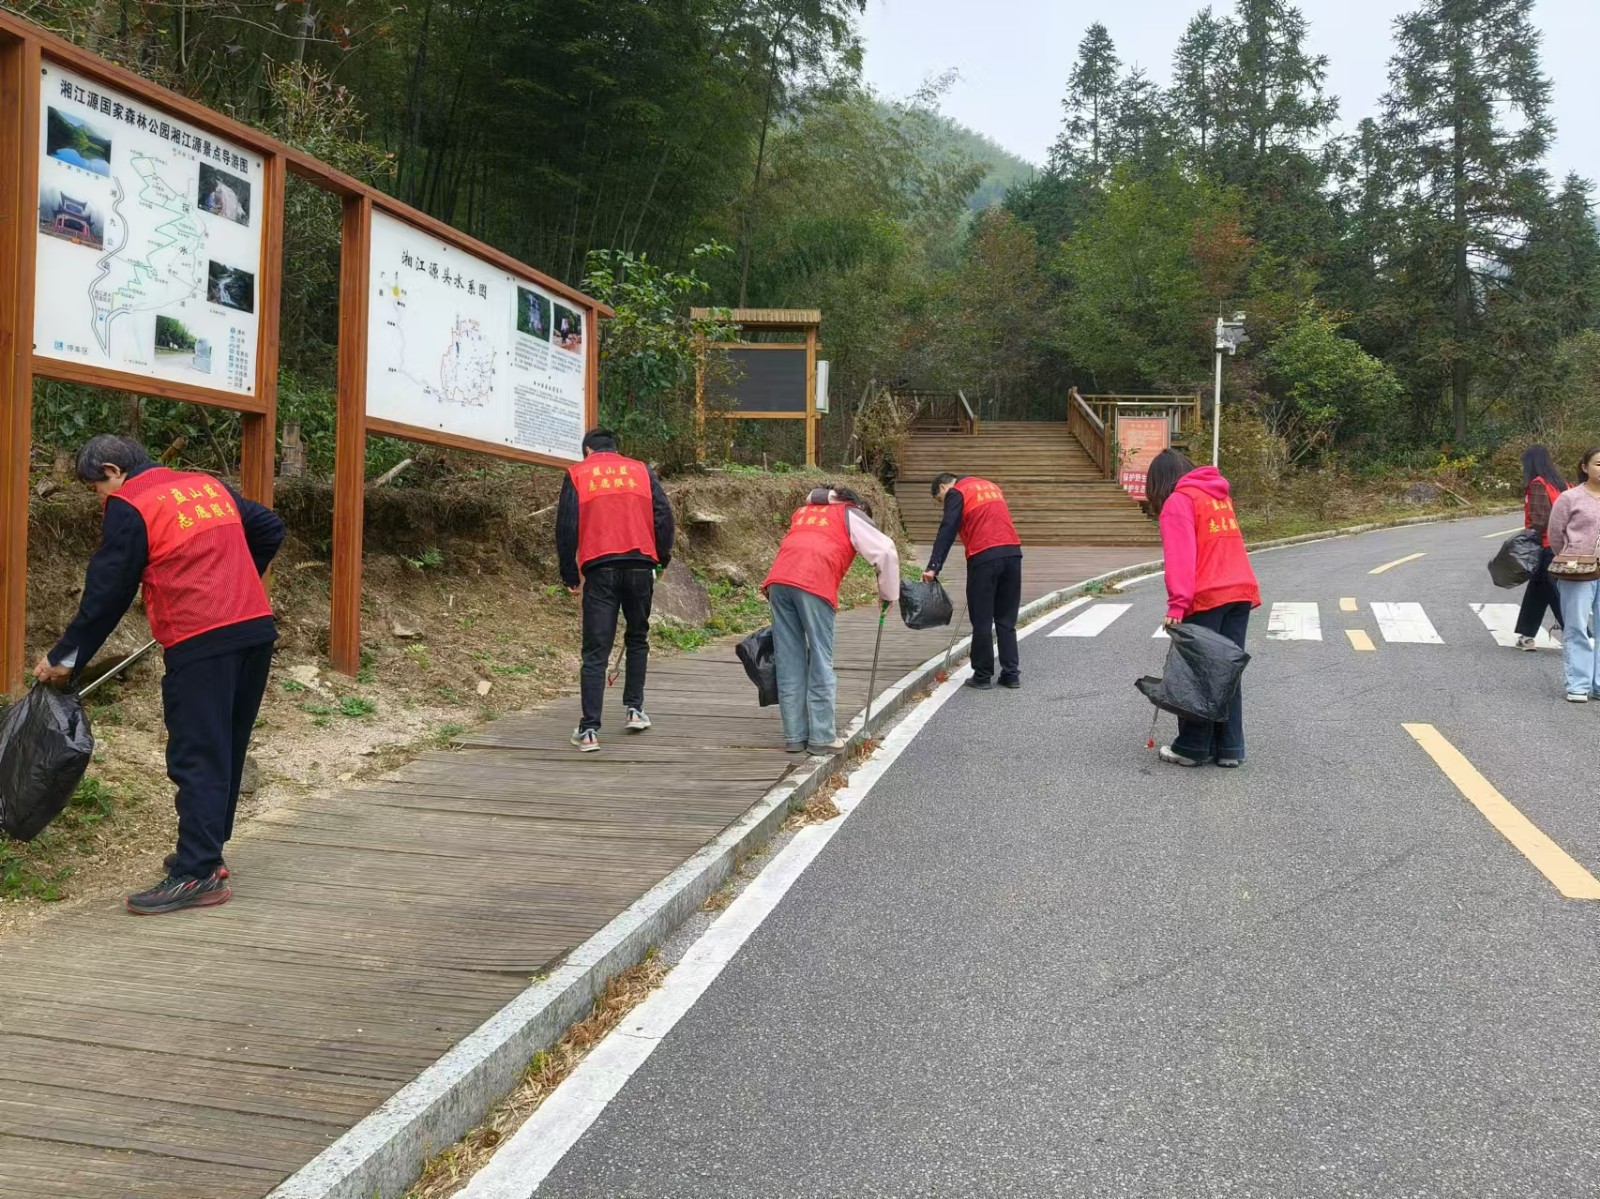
(383, 1155)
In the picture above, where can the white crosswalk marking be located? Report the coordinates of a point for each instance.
(1501, 621)
(1294, 622)
(1092, 622)
(1405, 623)
(1160, 633)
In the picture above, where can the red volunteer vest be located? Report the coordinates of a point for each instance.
(985, 519)
(199, 575)
(1223, 574)
(1527, 505)
(816, 551)
(615, 513)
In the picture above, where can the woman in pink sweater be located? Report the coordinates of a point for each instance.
(1575, 529)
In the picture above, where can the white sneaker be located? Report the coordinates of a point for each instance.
(637, 721)
(1574, 697)
(1176, 759)
(1527, 643)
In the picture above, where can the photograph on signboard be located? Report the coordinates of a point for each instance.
(459, 347)
(568, 329)
(143, 215)
(77, 142)
(178, 346)
(533, 314)
(71, 219)
(224, 195)
(231, 287)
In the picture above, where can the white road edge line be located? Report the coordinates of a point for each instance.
(520, 1166)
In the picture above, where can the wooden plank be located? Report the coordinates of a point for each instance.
(259, 440)
(19, 198)
(350, 448)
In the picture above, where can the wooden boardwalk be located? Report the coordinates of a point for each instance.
(208, 1055)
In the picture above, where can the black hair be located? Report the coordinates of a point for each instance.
(947, 477)
(850, 497)
(107, 449)
(1537, 464)
(1165, 470)
(1589, 455)
(599, 441)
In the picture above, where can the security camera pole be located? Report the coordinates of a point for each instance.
(1230, 336)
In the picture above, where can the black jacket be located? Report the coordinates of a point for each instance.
(117, 566)
(950, 525)
(567, 533)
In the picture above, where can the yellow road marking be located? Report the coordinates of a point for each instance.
(1359, 640)
(1397, 562)
(1347, 604)
(1567, 875)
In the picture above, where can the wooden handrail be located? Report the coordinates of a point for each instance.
(1089, 431)
(972, 417)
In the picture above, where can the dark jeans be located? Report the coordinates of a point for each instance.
(608, 590)
(1201, 739)
(994, 593)
(1540, 594)
(210, 707)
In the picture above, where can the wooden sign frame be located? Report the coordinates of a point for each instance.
(24, 49)
(769, 320)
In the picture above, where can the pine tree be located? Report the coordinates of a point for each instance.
(1093, 90)
(1200, 69)
(1143, 133)
(1467, 114)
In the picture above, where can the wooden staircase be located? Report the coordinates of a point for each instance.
(1056, 494)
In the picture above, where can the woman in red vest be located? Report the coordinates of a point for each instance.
(1209, 582)
(1542, 485)
(824, 537)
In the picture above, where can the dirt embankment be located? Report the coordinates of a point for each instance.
(463, 618)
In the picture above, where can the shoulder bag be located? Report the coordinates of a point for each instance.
(1577, 568)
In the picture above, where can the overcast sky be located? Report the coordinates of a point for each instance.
(1014, 55)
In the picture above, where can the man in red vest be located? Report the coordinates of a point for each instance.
(825, 535)
(613, 531)
(198, 549)
(976, 509)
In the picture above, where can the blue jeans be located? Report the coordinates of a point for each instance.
(1579, 620)
(802, 650)
(1204, 740)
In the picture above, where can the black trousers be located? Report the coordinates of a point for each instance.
(608, 590)
(210, 707)
(994, 593)
(1540, 594)
(1204, 740)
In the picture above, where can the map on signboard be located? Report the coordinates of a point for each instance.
(149, 247)
(457, 346)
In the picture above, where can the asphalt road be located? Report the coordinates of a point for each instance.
(1037, 962)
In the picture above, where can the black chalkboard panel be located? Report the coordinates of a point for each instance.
(762, 381)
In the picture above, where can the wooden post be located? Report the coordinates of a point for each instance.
(19, 200)
(350, 447)
(813, 421)
(259, 442)
(700, 400)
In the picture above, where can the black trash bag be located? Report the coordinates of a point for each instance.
(1201, 675)
(45, 746)
(925, 605)
(1518, 559)
(755, 653)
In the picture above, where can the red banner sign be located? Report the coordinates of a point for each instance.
(1139, 440)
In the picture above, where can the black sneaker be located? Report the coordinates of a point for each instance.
(1012, 683)
(174, 894)
(978, 684)
(171, 860)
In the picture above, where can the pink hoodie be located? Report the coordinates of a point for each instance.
(1205, 561)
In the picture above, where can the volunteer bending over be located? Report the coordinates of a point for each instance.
(824, 537)
(198, 549)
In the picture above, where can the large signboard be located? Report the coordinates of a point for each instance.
(1139, 440)
(149, 246)
(763, 379)
(458, 346)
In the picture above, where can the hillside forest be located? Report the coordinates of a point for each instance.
(1420, 294)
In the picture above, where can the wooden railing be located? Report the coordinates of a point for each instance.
(941, 409)
(1090, 431)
